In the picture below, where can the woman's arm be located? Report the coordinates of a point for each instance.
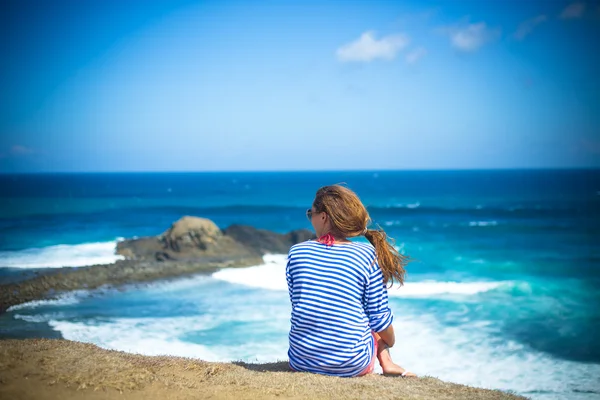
(290, 281)
(388, 335)
(376, 305)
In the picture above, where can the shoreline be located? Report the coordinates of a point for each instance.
(121, 273)
(56, 368)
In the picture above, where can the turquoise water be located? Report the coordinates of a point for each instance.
(503, 292)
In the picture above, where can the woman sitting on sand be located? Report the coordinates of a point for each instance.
(340, 315)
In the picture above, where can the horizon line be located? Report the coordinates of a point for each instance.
(305, 170)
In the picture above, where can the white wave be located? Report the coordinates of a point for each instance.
(166, 336)
(435, 288)
(65, 299)
(173, 285)
(402, 205)
(271, 276)
(152, 337)
(161, 288)
(62, 255)
(483, 223)
(31, 318)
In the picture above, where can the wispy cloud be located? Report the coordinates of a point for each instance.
(415, 55)
(368, 48)
(526, 27)
(18, 150)
(573, 10)
(471, 37)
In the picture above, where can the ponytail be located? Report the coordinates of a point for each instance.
(349, 218)
(390, 261)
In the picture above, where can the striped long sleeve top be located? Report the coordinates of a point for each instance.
(338, 298)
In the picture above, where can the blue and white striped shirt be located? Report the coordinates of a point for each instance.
(338, 298)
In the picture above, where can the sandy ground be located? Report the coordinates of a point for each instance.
(59, 369)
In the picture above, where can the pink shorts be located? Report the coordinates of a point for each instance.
(371, 366)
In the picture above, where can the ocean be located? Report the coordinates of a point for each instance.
(503, 290)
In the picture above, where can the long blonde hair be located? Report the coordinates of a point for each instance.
(349, 218)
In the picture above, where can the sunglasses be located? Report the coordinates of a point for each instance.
(309, 213)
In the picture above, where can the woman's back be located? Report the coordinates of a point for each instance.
(338, 298)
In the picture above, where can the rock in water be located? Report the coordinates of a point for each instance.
(191, 233)
(200, 239)
(188, 239)
(265, 241)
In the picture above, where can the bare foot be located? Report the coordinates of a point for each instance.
(391, 369)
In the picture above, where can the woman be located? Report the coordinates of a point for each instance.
(341, 320)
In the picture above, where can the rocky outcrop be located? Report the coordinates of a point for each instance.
(188, 239)
(200, 239)
(265, 241)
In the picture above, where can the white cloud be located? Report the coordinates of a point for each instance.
(471, 37)
(415, 55)
(573, 10)
(526, 27)
(368, 48)
(18, 150)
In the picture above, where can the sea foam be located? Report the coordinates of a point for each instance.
(62, 255)
(154, 336)
(271, 276)
(65, 299)
(433, 288)
(167, 335)
(483, 223)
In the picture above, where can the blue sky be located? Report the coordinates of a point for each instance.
(298, 85)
